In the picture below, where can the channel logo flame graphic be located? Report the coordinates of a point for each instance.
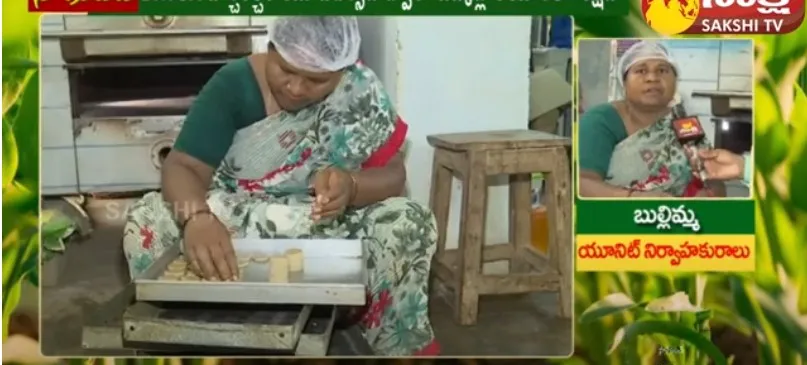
(670, 17)
(687, 126)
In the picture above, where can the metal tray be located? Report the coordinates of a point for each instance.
(215, 325)
(334, 273)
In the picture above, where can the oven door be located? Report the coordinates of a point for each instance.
(126, 116)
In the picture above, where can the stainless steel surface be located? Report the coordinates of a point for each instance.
(741, 104)
(227, 327)
(96, 23)
(159, 21)
(334, 273)
(80, 48)
(130, 81)
(713, 93)
(86, 37)
(118, 154)
(135, 109)
(154, 33)
(102, 130)
(150, 62)
(728, 103)
(139, 87)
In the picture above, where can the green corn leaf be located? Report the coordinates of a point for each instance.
(610, 305)
(10, 157)
(26, 132)
(748, 308)
(675, 330)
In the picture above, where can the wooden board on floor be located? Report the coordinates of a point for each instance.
(317, 333)
(102, 323)
(276, 327)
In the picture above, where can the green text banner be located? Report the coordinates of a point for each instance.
(586, 8)
(665, 216)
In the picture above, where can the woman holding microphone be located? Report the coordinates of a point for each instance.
(721, 164)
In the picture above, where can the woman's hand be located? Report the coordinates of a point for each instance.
(722, 164)
(209, 248)
(334, 189)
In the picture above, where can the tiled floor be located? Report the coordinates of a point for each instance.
(522, 325)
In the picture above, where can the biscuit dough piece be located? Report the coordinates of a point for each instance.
(179, 269)
(278, 269)
(261, 259)
(189, 276)
(243, 262)
(295, 257)
(177, 266)
(171, 276)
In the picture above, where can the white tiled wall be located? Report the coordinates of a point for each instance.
(59, 175)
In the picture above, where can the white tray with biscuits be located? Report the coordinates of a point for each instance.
(277, 271)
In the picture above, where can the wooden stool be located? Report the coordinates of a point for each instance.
(472, 157)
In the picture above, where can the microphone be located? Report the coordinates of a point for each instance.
(689, 132)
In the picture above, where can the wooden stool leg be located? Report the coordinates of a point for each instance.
(560, 227)
(440, 202)
(472, 236)
(520, 219)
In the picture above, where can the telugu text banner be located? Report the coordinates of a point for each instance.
(384, 7)
(642, 217)
(666, 253)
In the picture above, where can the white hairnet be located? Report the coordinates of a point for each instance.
(317, 43)
(642, 51)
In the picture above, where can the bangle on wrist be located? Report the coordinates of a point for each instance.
(190, 217)
(354, 187)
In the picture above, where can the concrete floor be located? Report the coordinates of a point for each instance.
(94, 271)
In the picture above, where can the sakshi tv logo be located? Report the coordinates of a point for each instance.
(671, 17)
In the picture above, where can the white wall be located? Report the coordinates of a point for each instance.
(379, 49)
(461, 74)
(592, 72)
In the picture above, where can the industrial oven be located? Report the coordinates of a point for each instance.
(115, 91)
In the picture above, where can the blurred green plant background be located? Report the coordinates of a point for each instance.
(20, 153)
(621, 318)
